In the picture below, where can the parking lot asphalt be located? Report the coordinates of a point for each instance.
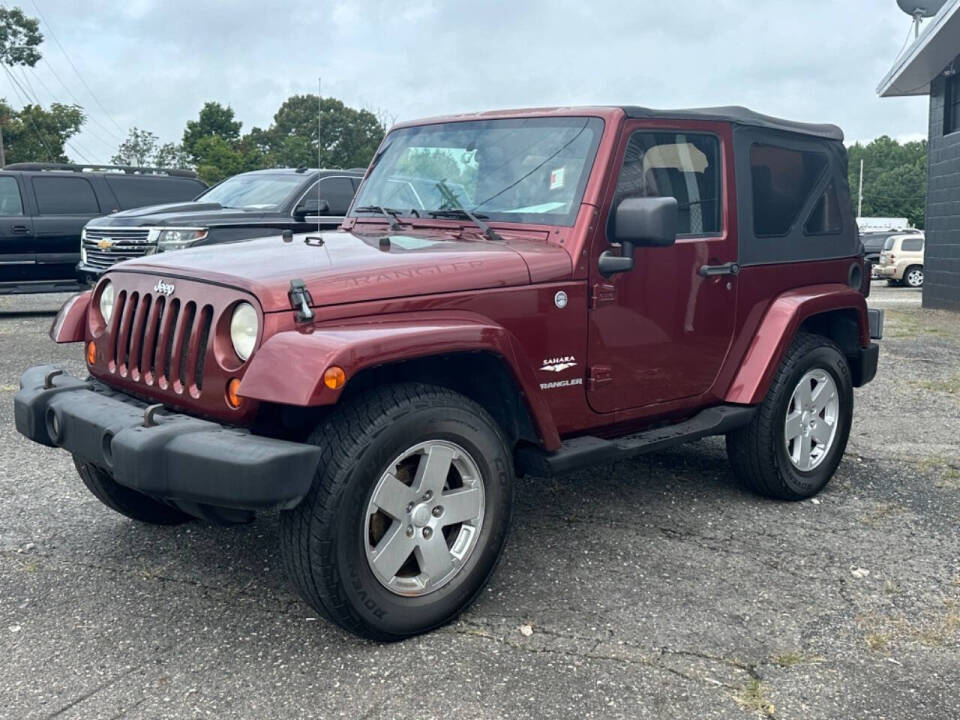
(654, 588)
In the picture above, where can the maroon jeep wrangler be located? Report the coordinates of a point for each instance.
(513, 292)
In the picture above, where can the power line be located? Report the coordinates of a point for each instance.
(46, 150)
(76, 100)
(35, 99)
(75, 70)
(91, 133)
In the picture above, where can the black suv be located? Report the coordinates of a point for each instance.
(44, 206)
(245, 206)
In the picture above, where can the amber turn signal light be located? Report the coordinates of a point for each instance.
(91, 353)
(334, 377)
(233, 397)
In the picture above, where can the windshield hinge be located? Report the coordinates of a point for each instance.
(300, 300)
(603, 294)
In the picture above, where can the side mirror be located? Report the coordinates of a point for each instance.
(311, 206)
(647, 222)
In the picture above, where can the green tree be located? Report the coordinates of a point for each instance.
(19, 37)
(894, 178)
(307, 130)
(171, 155)
(214, 120)
(33, 134)
(138, 149)
(219, 158)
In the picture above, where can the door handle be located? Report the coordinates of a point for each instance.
(730, 268)
(19, 228)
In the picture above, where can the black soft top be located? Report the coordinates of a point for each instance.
(740, 116)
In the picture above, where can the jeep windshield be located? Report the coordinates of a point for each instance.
(254, 192)
(530, 170)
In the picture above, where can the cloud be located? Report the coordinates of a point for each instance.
(153, 64)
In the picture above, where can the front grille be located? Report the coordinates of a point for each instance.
(160, 341)
(105, 247)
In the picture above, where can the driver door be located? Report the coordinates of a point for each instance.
(659, 333)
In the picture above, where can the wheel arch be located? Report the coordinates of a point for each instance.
(460, 351)
(833, 310)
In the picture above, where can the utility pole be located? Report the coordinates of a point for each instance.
(3, 155)
(860, 192)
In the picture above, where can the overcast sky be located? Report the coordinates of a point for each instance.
(153, 63)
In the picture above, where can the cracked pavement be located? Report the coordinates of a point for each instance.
(654, 588)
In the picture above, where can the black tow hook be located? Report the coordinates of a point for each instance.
(300, 300)
(48, 378)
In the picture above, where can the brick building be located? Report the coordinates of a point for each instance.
(931, 66)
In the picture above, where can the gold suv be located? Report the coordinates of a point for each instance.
(901, 261)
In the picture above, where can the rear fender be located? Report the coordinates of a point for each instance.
(71, 322)
(778, 328)
(288, 369)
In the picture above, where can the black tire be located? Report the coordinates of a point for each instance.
(125, 501)
(913, 276)
(322, 539)
(758, 451)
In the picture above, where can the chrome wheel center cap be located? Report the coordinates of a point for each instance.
(420, 515)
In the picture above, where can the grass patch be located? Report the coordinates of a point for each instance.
(918, 323)
(949, 386)
(790, 658)
(934, 629)
(946, 472)
(878, 642)
(752, 698)
(882, 512)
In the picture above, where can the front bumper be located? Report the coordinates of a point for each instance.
(179, 458)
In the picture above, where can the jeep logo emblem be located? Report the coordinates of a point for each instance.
(162, 288)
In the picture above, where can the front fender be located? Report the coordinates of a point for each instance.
(778, 328)
(71, 322)
(288, 368)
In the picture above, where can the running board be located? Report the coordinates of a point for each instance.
(587, 450)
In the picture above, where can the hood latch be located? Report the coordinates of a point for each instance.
(300, 300)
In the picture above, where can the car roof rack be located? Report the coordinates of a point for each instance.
(126, 169)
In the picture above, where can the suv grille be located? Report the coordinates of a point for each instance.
(107, 246)
(160, 341)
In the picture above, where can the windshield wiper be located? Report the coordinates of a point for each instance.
(458, 209)
(390, 214)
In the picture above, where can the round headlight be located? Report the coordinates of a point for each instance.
(244, 326)
(106, 301)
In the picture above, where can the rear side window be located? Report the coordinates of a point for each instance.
(825, 217)
(135, 191)
(782, 181)
(889, 243)
(912, 245)
(338, 192)
(65, 196)
(10, 201)
(685, 166)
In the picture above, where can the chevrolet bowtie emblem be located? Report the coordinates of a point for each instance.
(105, 244)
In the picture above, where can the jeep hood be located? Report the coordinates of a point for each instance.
(189, 214)
(345, 267)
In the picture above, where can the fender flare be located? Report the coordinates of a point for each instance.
(288, 368)
(70, 324)
(780, 325)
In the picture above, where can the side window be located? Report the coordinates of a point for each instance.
(912, 245)
(65, 196)
(135, 191)
(782, 180)
(10, 201)
(824, 219)
(680, 165)
(338, 192)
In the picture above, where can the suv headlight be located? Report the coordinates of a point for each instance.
(244, 326)
(106, 301)
(169, 240)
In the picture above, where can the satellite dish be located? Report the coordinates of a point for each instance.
(921, 8)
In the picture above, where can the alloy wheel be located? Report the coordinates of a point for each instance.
(810, 425)
(424, 518)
